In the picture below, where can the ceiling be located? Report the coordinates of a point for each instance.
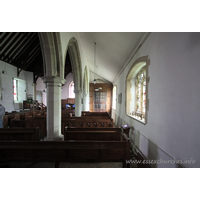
(23, 51)
(113, 49)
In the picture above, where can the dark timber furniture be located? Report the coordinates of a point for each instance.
(40, 121)
(87, 113)
(66, 151)
(32, 123)
(103, 134)
(21, 134)
(81, 122)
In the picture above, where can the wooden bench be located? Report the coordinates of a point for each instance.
(104, 134)
(40, 121)
(85, 122)
(87, 113)
(22, 134)
(5, 121)
(32, 123)
(66, 151)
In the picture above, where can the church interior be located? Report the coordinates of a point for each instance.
(146, 83)
(101, 100)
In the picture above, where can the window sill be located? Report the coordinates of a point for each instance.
(137, 119)
(17, 102)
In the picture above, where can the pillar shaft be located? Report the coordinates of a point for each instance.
(78, 103)
(85, 102)
(34, 91)
(53, 108)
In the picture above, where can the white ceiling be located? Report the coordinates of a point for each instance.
(113, 49)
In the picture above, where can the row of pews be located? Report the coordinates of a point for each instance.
(89, 138)
(27, 120)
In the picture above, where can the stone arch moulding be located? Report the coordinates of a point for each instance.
(52, 54)
(75, 59)
(86, 81)
(130, 86)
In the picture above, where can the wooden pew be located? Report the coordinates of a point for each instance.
(85, 122)
(103, 134)
(9, 117)
(40, 121)
(32, 123)
(65, 151)
(22, 134)
(5, 121)
(87, 113)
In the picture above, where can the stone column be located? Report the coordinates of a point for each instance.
(34, 91)
(54, 107)
(86, 102)
(78, 103)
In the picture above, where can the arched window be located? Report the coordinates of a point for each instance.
(114, 97)
(140, 85)
(19, 90)
(136, 90)
(71, 90)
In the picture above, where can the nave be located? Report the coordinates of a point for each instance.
(86, 139)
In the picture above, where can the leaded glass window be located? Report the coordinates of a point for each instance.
(137, 102)
(140, 84)
(100, 101)
(15, 89)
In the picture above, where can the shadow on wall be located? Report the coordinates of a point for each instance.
(148, 151)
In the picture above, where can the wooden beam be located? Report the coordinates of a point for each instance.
(18, 49)
(7, 40)
(11, 44)
(18, 71)
(25, 51)
(24, 55)
(13, 48)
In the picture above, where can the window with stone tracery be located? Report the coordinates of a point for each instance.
(136, 90)
(140, 85)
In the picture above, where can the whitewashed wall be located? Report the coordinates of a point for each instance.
(40, 87)
(65, 88)
(41, 91)
(172, 129)
(7, 85)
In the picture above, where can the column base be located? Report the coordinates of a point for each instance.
(58, 138)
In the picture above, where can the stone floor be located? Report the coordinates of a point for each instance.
(63, 165)
(70, 164)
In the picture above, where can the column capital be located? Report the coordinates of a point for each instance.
(53, 80)
(78, 91)
(85, 94)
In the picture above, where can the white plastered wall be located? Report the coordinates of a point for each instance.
(41, 89)
(172, 129)
(65, 88)
(7, 85)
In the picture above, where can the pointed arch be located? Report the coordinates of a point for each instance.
(86, 81)
(75, 59)
(52, 54)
